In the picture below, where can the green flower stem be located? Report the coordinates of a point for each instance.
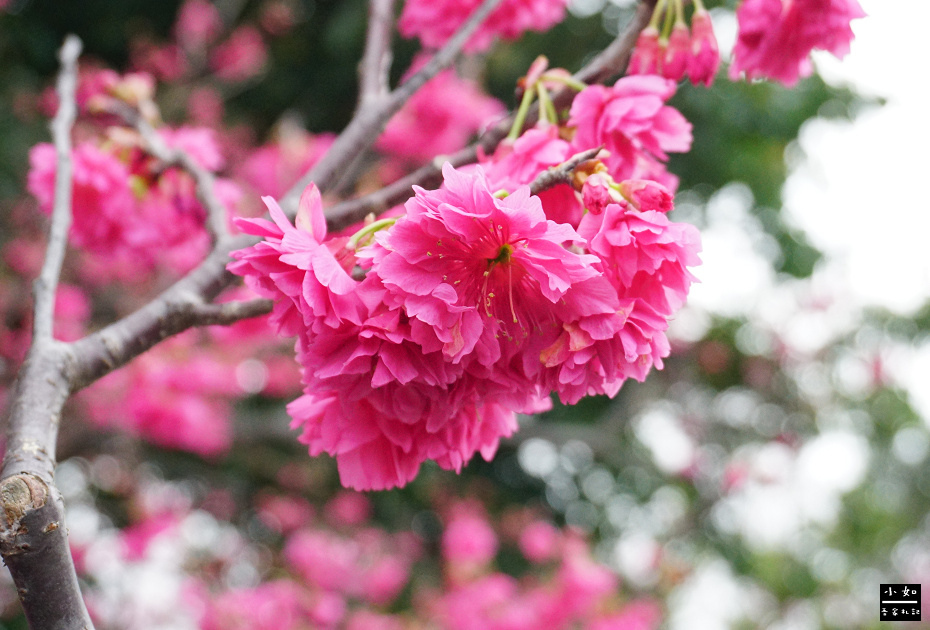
(369, 230)
(520, 118)
(571, 82)
(546, 107)
(679, 12)
(657, 14)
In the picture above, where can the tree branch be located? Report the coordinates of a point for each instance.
(369, 122)
(229, 313)
(562, 174)
(376, 62)
(33, 536)
(47, 282)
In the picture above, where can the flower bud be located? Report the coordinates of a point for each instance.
(645, 195)
(646, 53)
(677, 53)
(705, 55)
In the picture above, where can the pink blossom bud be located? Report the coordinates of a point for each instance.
(705, 55)
(539, 65)
(677, 53)
(647, 195)
(646, 53)
(595, 194)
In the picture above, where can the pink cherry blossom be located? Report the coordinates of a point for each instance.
(348, 508)
(776, 37)
(469, 308)
(646, 195)
(646, 258)
(468, 539)
(100, 196)
(241, 57)
(596, 193)
(518, 162)
(632, 121)
(435, 21)
(539, 541)
(475, 268)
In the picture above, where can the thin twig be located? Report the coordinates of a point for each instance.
(228, 313)
(204, 180)
(47, 282)
(376, 62)
(369, 122)
(561, 174)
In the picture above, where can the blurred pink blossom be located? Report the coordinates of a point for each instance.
(241, 57)
(435, 21)
(198, 24)
(775, 37)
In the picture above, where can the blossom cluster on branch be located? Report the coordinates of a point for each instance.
(421, 336)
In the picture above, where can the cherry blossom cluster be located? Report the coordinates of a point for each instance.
(774, 40)
(130, 211)
(421, 336)
(674, 50)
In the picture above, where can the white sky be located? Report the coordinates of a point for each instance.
(858, 191)
(860, 195)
